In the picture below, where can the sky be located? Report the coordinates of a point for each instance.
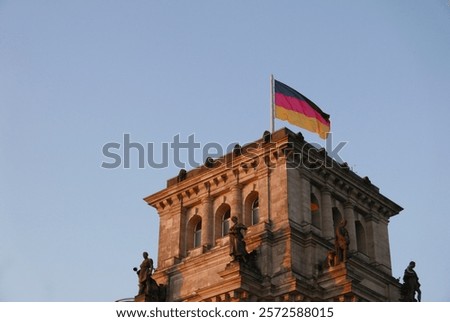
(78, 75)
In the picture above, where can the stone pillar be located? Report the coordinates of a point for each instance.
(349, 215)
(327, 214)
(207, 223)
(371, 238)
(264, 194)
(183, 225)
(236, 202)
(169, 247)
(383, 245)
(269, 196)
(378, 242)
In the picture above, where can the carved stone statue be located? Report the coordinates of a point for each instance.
(145, 272)
(182, 175)
(342, 240)
(411, 285)
(149, 289)
(237, 244)
(331, 258)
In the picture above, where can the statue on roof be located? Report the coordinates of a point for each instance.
(149, 289)
(411, 285)
(144, 273)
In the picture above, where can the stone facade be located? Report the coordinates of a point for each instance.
(290, 196)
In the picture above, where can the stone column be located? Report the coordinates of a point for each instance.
(383, 245)
(371, 238)
(378, 241)
(169, 246)
(264, 194)
(349, 215)
(183, 225)
(207, 223)
(327, 214)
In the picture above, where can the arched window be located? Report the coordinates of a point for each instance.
(360, 238)
(226, 222)
(222, 220)
(315, 211)
(198, 234)
(337, 217)
(251, 209)
(255, 211)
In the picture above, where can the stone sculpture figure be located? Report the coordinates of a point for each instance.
(149, 289)
(411, 285)
(342, 241)
(145, 273)
(237, 244)
(331, 258)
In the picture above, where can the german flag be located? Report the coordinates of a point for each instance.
(298, 110)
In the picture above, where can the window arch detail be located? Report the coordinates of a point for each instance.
(361, 244)
(252, 214)
(226, 217)
(337, 217)
(194, 233)
(222, 220)
(315, 211)
(255, 212)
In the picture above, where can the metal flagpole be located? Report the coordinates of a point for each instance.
(272, 105)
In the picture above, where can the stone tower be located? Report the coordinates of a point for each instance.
(291, 197)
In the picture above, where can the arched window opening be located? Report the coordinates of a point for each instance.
(315, 211)
(222, 219)
(361, 245)
(252, 215)
(337, 217)
(226, 222)
(255, 211)
(198, 234)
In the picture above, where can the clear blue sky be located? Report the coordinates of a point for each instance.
(75, 75)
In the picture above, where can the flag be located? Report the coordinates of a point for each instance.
(298, 110)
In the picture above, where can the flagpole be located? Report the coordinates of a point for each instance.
(272, 105)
